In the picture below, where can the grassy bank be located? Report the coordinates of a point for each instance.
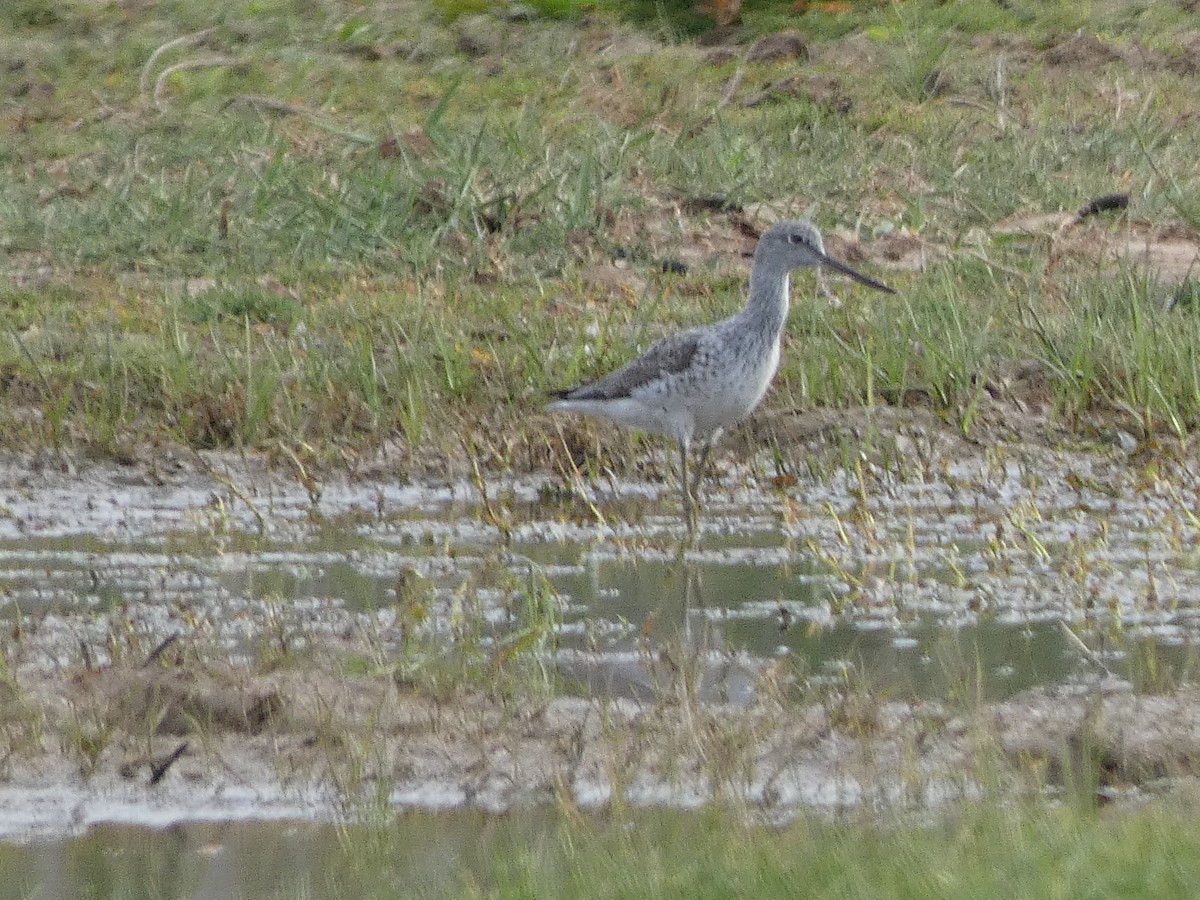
(1031, 853)
(1011, 853)
(321, 228)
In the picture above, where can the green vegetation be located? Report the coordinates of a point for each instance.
(325, 227)
(984, 853)
(989, 853)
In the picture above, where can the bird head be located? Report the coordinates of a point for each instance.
(798, 245)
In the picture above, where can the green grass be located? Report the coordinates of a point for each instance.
(1038, 853)
(1029, 852)
(339, 231)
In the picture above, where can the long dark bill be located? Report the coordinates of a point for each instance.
(857, 276)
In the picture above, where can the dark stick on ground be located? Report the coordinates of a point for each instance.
(158, 651)
(159, 769)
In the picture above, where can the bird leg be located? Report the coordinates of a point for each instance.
(698, 478)
(689, 506)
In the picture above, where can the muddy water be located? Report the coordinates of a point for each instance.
(922, 601)
(971, 579)
(430, 854)
(728, 611)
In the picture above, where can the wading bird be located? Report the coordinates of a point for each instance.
(694, 384)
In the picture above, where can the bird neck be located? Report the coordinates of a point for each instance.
(767, 307)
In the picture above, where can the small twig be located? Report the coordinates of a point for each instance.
(880, 373)
(731, 87)
(275, 105)
(727, 95)
(1084, 649)
(25, 351)
(778, 86)
(204, 62)
(1043, 335)
(311, 486)
(835, 302)
(228, 484)
(159, 769)
(188, 40)
(1003, 114)
(1001, 95)
(969, 103)
(158, 651)
(271, 104)
(103, 113)
(489, 511)
(992, 264)
(592, 508)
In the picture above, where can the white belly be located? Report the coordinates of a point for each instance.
(735, 394)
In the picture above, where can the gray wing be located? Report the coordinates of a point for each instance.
(671, 355)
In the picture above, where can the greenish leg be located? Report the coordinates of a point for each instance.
(698, 479)
(689, 508)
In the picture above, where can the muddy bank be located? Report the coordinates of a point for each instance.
(495, 660)
(172, 743)
(779, 458)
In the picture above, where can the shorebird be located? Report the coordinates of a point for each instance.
(694, 384)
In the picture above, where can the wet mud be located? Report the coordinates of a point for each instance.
(196, 638)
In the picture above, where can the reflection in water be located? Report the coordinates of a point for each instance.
(416, 854)
(631, 614)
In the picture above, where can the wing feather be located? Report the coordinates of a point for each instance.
(670, 356)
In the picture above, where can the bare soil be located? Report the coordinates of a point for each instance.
(183, 741)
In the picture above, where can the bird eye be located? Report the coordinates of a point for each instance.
(793, 238)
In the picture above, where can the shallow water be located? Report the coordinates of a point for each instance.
(420, 854)
(752, 592)
(731, 614)
(975, 585)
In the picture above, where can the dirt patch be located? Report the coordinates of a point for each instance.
(175, 701)
(1187, 61)
(1016, 49)
(899, 250)
(1168, 253)
(1086, 52)
(336, 742)
(1081, 50)
(611, 281)
(782, 45)
(856, 53)
(1128, 738)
